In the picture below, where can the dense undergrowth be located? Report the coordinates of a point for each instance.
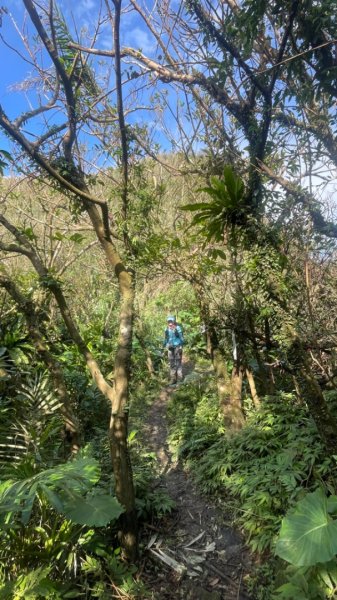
(257, 474)
(58, 536)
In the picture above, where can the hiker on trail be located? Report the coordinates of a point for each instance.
(174, 341)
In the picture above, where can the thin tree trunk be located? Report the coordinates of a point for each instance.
(232, 403)
(119, 427)
(297, 389)
(265, 379)
(149, 361)
(74, 181)
(252, 386)
(121, 463)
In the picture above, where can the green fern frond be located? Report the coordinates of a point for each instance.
(80, 73)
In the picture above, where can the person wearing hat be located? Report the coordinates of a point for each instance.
(174, 341)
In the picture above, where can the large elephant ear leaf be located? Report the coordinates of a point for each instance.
(308, 535)
(94, 511)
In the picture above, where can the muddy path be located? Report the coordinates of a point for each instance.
(195, 554)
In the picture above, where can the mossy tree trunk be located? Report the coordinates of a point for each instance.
(118, 431)
(119, 397)
(232, 405)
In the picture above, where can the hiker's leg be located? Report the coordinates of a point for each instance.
(172, 363)
(179, 363)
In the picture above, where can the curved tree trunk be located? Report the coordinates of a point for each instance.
(72, 179)
(118, 430)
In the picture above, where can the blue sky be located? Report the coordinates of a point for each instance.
(16, 97)
(81, 14)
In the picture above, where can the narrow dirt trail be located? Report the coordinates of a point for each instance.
(208, 558)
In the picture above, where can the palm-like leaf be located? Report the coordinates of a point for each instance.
(29, 420)
(81, 73)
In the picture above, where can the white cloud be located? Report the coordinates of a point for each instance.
(140, 39)
(83, 7)
(82, 10)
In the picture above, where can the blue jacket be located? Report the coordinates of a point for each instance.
(173, 337)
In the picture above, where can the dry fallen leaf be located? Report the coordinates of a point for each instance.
(194, 540)
(210, 547)
(152, 540)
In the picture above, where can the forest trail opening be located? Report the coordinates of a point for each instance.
(196, 553)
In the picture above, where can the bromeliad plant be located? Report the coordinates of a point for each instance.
(226, 207)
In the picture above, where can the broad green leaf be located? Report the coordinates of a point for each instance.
(332, 505)
(196, 206)
(29, 233)
(214, 193)
(87, 469)
(234, 184)
(289, 590)
(95, 511)
(28, 504)
(71, 480)
(132, 435)
(52, 497)
(200, 218)
(219, 186)
(77, 238)
(58, 235)
(308, 535)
